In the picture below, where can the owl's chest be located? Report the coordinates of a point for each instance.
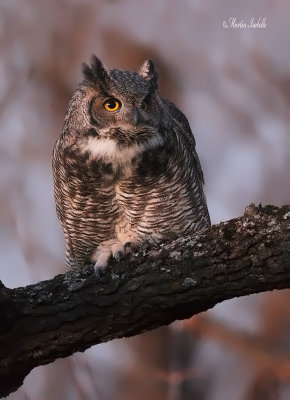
(135, 200)
(140, 196)
(133, 190)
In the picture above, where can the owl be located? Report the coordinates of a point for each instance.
(125, 167)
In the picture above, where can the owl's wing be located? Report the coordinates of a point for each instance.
(188, 137)
(61, 195)
(189, 141)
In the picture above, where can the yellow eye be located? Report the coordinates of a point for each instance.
(112, 105)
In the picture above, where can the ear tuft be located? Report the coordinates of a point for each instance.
(95, 72)
(148, 71)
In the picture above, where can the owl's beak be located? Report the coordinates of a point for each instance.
(135, 117)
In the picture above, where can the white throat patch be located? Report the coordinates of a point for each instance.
(107, 149)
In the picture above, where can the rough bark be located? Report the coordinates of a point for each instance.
(153, 287)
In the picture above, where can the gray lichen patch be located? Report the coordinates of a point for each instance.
(190, 282)
(175, 254)
(287, 215)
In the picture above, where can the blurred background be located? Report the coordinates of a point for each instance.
(234, 86)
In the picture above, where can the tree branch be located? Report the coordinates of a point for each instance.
(153, 287)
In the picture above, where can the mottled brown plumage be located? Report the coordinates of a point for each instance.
(125, 166)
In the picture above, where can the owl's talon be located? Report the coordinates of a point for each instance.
(130, 247)
(99, 271)
(118, 256)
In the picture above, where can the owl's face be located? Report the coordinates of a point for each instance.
(123, 112)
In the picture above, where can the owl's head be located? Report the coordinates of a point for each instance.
(117, 113)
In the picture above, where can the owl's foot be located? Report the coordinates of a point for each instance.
(106, 250)
(130, 247)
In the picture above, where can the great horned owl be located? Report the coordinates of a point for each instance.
(125, 167)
